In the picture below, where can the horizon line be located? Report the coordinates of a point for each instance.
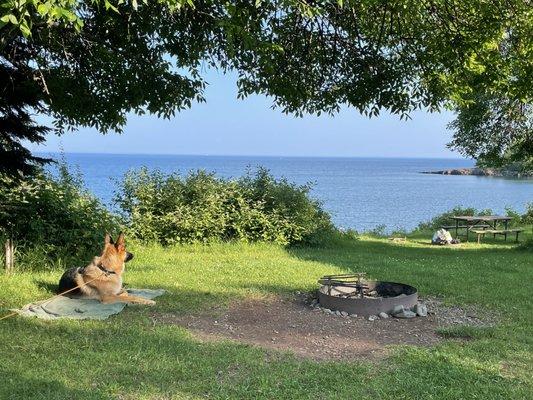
(250, 155)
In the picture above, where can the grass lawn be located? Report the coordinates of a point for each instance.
(130, 357)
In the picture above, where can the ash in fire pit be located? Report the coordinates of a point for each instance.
(353, 294)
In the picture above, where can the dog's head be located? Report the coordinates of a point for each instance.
(114, 254)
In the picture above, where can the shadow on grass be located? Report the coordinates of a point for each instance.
(484, 275)
(47, 286)
(18, 385)
(130, 359)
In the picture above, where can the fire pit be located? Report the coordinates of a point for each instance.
(355, 295)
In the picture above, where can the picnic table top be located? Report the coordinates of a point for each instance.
(481, 218)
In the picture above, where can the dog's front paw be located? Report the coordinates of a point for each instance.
(149, 302)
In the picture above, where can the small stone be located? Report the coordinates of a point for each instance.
(353, 315)
(338, 313)
(344, 313)
(314, 302)
(327, 311)
(405, 314)
(421, 310)
(383, 315)
(397, 309)
(372, 317)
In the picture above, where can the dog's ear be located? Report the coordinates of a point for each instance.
(108, 239)
(120, 243)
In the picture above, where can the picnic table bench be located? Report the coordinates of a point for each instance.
(505, 232)
(481, 223)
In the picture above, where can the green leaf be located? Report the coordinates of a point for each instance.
(43, 8)
(25, 29)
(9, 18)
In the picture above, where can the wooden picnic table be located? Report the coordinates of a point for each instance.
(480, 221)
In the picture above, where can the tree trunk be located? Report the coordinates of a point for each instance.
(9, 255)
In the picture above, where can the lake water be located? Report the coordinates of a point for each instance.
(360, 193)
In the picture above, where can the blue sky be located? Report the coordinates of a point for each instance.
(228, 126)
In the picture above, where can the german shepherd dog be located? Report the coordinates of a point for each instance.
(103, 276)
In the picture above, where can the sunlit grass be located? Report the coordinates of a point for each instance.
(130, 357)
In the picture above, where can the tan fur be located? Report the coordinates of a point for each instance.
(108, 287)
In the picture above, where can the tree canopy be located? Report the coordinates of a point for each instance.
(90, 62)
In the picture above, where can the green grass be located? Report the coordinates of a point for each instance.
(130, 357)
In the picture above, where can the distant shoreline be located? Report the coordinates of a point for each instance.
(494, 172)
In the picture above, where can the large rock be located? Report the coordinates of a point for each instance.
(397, 309)
(405, 314)
(442, 236)
(421, 310)
(400, 312)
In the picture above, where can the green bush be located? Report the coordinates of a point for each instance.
(202, 208)
(53, 220)
(527, 217)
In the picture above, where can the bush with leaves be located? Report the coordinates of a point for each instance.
(203, 208)
(52, 219)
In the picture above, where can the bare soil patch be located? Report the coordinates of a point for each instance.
(290, 324)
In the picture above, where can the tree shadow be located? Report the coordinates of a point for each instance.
(47, 286)
(127, 358)
(468, 273)
(18, 385)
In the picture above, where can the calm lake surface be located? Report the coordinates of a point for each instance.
(360, 193)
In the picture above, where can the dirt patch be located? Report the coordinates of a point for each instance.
(292, 325)
(455, 315)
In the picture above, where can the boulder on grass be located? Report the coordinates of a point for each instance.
(442, 237)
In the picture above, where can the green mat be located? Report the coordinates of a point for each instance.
(65, 307)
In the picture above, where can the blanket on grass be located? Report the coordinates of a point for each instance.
(65, 307)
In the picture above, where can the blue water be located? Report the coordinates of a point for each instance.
(360, 193)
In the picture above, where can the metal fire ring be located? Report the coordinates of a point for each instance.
(349, 293)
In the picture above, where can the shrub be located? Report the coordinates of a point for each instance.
(516, 218)
(527, 217)
(202, 208)
(53, 220)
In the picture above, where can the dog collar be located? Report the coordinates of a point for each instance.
(105, 270)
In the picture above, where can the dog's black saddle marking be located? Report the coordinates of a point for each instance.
(68, 280)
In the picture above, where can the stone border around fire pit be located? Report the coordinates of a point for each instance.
(418, 310)
(349, 294)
